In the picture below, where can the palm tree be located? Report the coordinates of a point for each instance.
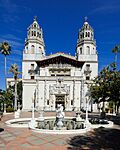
(116, 50)
(5, 49)
(15, 72)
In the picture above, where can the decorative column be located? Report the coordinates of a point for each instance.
(87, 123)
(86, 119)
(82, 94)
(37, 93)
(32, 123)
(4, 108)
(74, 94)
(45, 99)
(45, 90)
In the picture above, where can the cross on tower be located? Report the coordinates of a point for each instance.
(86, 18)
(35, 18)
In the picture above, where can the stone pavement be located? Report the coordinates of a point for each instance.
(25, 139)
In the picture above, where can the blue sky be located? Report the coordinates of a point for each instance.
(60, 21)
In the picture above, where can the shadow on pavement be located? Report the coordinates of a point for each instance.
(99, 139)
(1, 129)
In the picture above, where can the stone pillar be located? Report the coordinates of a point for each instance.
(52, 102)
(4, 108)
(45, 96)
(67, 103)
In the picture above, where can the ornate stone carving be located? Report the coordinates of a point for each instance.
(59, 89)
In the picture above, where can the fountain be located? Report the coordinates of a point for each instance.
(59, 124)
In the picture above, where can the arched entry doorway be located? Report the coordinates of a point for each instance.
(60, 99)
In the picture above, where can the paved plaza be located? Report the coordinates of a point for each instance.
(23, 138)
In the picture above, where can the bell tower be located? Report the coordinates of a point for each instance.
(34, 43)
(86, 44)
(86, 51)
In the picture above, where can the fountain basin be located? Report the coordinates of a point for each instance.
(24, 123)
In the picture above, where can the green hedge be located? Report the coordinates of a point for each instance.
(9, 109)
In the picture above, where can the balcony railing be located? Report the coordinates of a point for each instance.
(31, 72)
(87, 71)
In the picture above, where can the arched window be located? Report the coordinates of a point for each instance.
(40, 35)
(88, 50)
(88, 34)
(37, 34)
(81, 36)
(85, 34)
(81, 50)
(40, 50)
(34, 33)
(32, 49)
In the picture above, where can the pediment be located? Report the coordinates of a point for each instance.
(60, 58)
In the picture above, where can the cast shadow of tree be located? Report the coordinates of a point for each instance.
(1, 129)
(99, 139)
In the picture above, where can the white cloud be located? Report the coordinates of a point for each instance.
(11, 10)
(13, 42)
(11, 36)
(11, 7)
(108, 8)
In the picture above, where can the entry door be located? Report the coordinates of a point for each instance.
(60, 99)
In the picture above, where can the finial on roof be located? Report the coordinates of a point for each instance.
(35, 18)
(86, 18)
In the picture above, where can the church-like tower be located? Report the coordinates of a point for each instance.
(86, 51)
(34, 50)
(34, 44)
(86, 44)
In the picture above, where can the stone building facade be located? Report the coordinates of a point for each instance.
(58, 78)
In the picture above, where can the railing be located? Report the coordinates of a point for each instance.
(31, 72)
(87, 71)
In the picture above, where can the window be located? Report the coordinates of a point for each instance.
(47, 102)
(37, 34)
(87, 78)
(32, 66)
(35, 25)
(88, 50)
(87, 66)
(71, 102)
(83, 35)
(32, 49)
(40, 49)
(32, 77)
(91, 34)
(88, 34)
(81, 50)
(34, 33)
(29, 33)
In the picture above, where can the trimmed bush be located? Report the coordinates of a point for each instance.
(9, 109)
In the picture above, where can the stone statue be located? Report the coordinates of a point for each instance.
(59, 116)
(60, 113)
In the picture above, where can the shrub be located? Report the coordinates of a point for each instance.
(9, 109)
